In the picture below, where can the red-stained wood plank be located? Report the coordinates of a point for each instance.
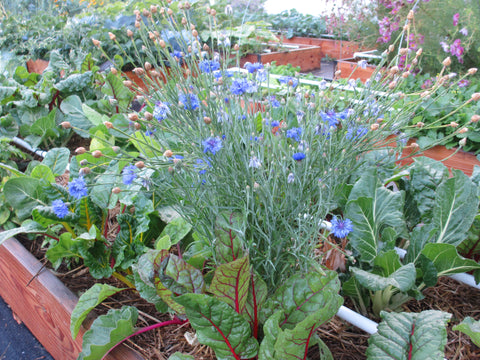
(43, 303)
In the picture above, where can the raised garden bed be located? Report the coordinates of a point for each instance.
(349, 69)
(43, 303)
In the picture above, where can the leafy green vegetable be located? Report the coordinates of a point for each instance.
(470, 327)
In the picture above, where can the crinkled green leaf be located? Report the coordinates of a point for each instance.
(108, 330)
(23, 194)
(46, 127)
(219, 326)
(72, 108)
(57, 159)
(447, 261)
(44, 172)
(176, 229)
(373, 209)
(65, 248)
(456, 204)
(412, 336)
(75, 82)
(181, 277)
(304, 294)
(89, 300)
(228, 234)
(403, 279)
(231, 283)
(470, 327)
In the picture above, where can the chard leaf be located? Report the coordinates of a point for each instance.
(228, 233)
(184, 277)
(65, 248)
(89, 300)
(402, 279)
(257, 294)
(374, 209)
(305, 294)
(23, 194)
(114, 87)
(28, 227)
(470, 327)
(456, 205)
(219, 326)
(176, 229)
(180, 356)
(42, 171)
(447, 261)
(108, 330)
(413, 336)
(72, 108)
(231, 282)
(146, 145)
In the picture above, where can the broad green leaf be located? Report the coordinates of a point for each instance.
(181, 277)
(89, 300)
(447, 261)
(146, 145)
(65, 248)
(108, 330)
(387, 263)
(46, 127)
(12, 170)
(425, 176)
(412, 336)
(257, 294)
(180, 356)
(114, 87)
(163, 243)
(176, 229)
(456, 204)
(75, 82)
(304, 294)
(23, 194)
(229, 235)
(402, 279)
(28, 227)
(419, 237)
(44, 172)
(219, 326)
(231, 282)
(101, 193)
(57, 159)
(374, 209)
(271, 331)
(95, 117)
(72, 108)
(470, 327)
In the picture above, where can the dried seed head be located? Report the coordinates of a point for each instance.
(472, 71)
(139, 71)
(162, 43)
(140, 164)
(475, 118)
(463, 130)
(137, 126)
(97, 153)
(403, 51)
(80, 150)
(391, 48)
(129, 33)
(108, 124)
(66, 125)
(374, 127)
(453, 124)
(207, 120)
(194, 33)
(410, 15)
(116, 190)
(128, 83)
(447, 61)
(85, 171)
(420, 124)
(168, 153)
(462, 142)
(96, 42)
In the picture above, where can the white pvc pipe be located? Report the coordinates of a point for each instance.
(29, 147)
(357, 320)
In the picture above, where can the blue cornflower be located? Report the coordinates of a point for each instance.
(330, 117)
(129, 174)
(274, 102)
(212, 144)
(189, 101)
(323, 84)
(298, 156)
(341, 228)
(353, 133)
(254, 162)
(300, 115)
(294, 133)
(253, 67)
(177, 54)
(275, 123)
(261, 75)
(150, 132)
(161, 111)
(288, 80)
(78, 188)
(202, 165)
(59, 208)
(208, 66)
(290, 178)
(242, 86)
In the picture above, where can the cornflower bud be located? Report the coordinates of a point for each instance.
(475, 118)
(96, 42)
(139, 71)
(108, 124)
(97, 153)
(476, 96)
(162, 43)
(406, 74)
(414, 146)
(84, 162)
(447, 61)
(180, 6)
(151, 35)
(85, 171)
(80, 150)
(171, 170)
(116, 149)
(236, 47)
(136, 12)
(112, 36)
(153, 9)
(184, 21)
(337, 73)
(162, 10)
(406, 27)
(168, 153)
(462, 142)
(425, 94)
(403, 51)
(391, 48)
(187, 5)
(453, 124)
(140, 164)
(463, 130)
(137, 126)
(66, 125)
(133, 117)
(148, 116)
(116, 190)
(146, 13)
(392, 85)
(128, 83)
(394, 70)
(205, 47)
(414, 62)
(113, 71)
(137, 24)
(420, 124)
(410, 15)
(419, 52)
(147, 66)
(207, 10)
(189, 49)
(374, 127)
(194, 33)
(472, 71)
(213, 12)
(155, 73)
(207, 120)
(129, 33)
(169, 12)
(192, 27)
